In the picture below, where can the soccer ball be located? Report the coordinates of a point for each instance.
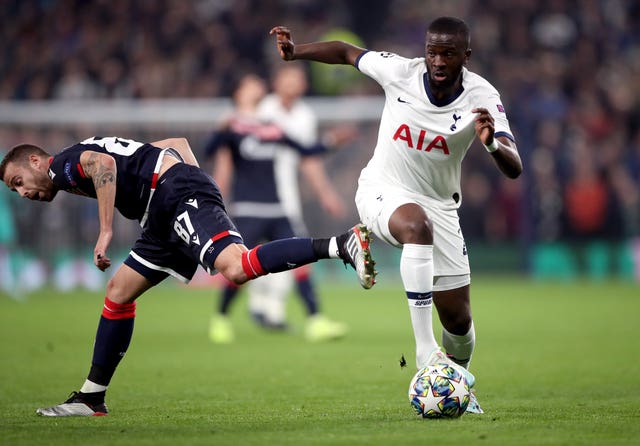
(439, 391)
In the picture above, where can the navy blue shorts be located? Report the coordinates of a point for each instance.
(187, 225)
(256, 230)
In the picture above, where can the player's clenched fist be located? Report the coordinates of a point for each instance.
(283, 41)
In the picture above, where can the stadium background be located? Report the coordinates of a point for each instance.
(568, 71)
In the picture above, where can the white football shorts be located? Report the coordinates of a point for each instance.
(377, 202)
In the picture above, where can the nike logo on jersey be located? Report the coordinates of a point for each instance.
(192, 202)
(52, 174)
(403, 101)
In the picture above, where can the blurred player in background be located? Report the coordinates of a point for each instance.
(286, 108)
(248, 172)
(409, 192)
(184, 224)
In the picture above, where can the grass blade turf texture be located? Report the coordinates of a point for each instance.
(556, 364)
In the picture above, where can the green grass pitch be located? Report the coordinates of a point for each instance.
(556, 364)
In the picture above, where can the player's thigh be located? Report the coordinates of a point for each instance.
(157, 257)
(450, 256)
(202, 232)
(452, 278)
(376, 204)
(127, 285)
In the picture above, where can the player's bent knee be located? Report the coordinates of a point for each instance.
(231, 268)
(126, 285)
(117, 292)
(234, 274)
(459, 326)
(229, 264)
(417, 231)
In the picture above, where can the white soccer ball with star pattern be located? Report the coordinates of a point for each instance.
(439, 391)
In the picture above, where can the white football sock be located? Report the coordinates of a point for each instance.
(416, 270)
(460, 347)
(91, 387)
(333, 248)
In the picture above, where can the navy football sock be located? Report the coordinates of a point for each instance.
(307, 294)
(228, 296)
(112, 340)
(277, 256)
(321, 247)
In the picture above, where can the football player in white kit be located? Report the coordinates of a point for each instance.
(409, 192)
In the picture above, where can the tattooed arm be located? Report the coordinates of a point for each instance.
(101, 168)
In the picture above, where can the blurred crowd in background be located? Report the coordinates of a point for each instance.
(568, 72)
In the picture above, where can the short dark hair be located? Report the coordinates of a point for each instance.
(289, 66)
(20, 155)
(452, 26)
(239, 80)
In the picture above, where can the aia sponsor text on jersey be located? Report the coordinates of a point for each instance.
(419, 140)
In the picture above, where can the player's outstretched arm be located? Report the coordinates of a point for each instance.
(507, 157)
(333, 52)
(182, 146)
(223, 170)
(101, 168)
(502, 149)
(314, 172)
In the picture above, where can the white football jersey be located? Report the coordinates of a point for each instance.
(421, 142)
(301, 125)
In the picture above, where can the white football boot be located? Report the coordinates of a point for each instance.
(353, 248)
(438, 357)
(75, 406)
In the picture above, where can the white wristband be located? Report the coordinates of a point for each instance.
(492, 147)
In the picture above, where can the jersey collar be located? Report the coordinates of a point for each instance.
(432, 98)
